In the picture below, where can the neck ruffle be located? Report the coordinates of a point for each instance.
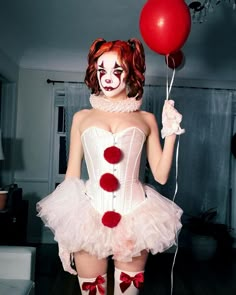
(128, 105)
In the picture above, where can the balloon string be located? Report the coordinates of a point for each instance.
(176, 233)
(168, 88)
(168, 91)
(176, 169)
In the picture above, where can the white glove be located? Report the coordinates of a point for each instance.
(65, 257)
(171, 120)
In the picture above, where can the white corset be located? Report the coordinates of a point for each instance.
(130, 192)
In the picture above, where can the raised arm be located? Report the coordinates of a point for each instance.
(76, 150)
(160, 160)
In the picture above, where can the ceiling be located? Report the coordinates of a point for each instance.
(56, 34)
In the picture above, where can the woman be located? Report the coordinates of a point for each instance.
(113, 213)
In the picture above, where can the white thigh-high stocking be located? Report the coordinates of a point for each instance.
(128, 283)
(90, 286)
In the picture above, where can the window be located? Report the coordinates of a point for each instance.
(59, 162)
(59, 144)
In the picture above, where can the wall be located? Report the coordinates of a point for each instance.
(9, 73)
(33, 140)
(8, 69)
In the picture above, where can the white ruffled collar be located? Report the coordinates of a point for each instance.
(128, 105)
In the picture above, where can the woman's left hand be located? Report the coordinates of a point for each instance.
(171, 120)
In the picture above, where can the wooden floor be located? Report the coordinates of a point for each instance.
(191, 276)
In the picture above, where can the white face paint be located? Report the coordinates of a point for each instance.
(111, 76)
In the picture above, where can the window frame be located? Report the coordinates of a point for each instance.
(58, 101)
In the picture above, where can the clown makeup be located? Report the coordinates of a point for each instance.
(111, 76)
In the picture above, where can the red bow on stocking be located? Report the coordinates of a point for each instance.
(137, 280)
(93, 286)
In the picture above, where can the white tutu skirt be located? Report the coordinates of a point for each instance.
(153, 225)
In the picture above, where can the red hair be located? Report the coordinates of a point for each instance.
(132, 58)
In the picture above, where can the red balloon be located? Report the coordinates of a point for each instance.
(165, 25)
(175, 59)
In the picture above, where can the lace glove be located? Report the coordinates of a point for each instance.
(171, 120)
(65, 257)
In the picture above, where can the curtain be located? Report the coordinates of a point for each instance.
(204, 150)
(233, 172)
(8, 126)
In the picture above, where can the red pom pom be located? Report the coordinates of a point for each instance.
(109, 182)
(112, 154)
(111, 219)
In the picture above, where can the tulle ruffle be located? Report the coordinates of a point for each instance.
(76, 224)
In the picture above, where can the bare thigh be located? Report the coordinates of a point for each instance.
(137, 264)
(89, 266)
